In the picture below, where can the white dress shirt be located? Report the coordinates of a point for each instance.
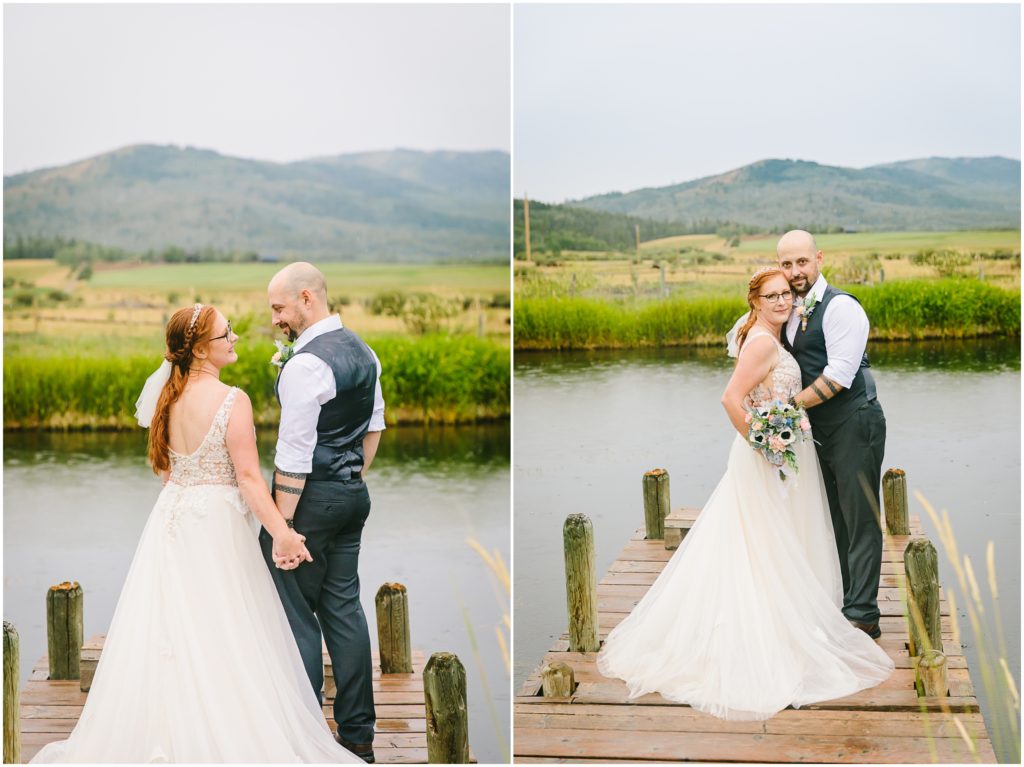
(846, 326)
(307, 382)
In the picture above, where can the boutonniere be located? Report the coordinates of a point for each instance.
(283, 354)
(804, 312)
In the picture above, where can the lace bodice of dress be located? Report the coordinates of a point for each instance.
(210, 464)
(785, 376)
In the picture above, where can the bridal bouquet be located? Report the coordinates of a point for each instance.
(774, 428)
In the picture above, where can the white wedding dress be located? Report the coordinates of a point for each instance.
(199, 663)
(746, 618)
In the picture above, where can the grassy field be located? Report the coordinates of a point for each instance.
(79, 362)
(135, 301)
(689, 290)
(706, 265)
(895, 242)
(357, 280)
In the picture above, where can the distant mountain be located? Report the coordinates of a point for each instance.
(927, 194)
(399, 205)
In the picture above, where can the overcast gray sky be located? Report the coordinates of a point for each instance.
(270, 82)
(617, 97)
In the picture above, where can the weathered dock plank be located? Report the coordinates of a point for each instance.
(885, 724)
(51, 708)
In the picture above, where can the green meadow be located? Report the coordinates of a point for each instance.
(80, 362)
(898, 242)
(688, 290)
(351, 278)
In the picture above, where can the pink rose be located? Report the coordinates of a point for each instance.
(746, 417)
(799, 310)
(805, 424)
(756, 426)
(776, 444)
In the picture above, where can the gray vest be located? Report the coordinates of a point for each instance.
(344, 420)
(809, 349)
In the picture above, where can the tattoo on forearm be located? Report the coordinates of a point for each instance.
(289, 489)
(818, 391)
(291, 474)
(832, 385)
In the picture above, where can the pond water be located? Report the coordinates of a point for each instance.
(589, 424)
(75, 504)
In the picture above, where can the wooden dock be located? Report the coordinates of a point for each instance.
(50, 709)
(888, 723)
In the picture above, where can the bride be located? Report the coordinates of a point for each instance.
(745, 619)
(199, 663)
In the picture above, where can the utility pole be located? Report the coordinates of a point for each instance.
(526, 213)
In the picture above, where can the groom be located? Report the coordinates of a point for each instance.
(332, 415)
(827, 334)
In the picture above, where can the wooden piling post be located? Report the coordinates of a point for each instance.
(931, 674)
(393, 636)
(12, 702)
(894, 496)
(64, 630)
(656, 503)
(921, 564)
(444, 690)
(558, 680)
(581, 583)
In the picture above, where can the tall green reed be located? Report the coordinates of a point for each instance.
(911, 309)
(986, 625)
(430, 379)
(502, 589)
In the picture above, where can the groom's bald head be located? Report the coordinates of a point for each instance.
(298, 298)
(796, 240)
(300, 276)
(799, 259)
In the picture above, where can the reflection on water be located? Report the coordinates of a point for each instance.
(430, 448)
(976, 355)
(75, 505)
(588, 424)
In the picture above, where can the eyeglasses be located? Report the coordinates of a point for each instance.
(226, 335)
(773, 298)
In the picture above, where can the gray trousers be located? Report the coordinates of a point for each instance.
(851, 466)
(323, 596)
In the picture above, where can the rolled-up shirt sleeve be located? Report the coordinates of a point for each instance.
(846, 337)
(306, 384)
(377, 419)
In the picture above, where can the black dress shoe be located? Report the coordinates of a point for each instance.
(871, 629)
(363, 750)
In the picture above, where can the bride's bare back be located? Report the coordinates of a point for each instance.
(192, 415)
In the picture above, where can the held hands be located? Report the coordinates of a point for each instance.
(290, 551)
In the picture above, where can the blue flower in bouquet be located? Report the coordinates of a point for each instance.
(773, 430)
